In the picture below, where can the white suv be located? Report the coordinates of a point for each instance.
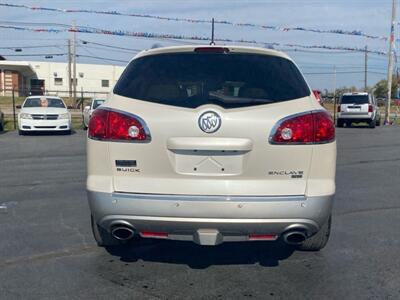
(358, 108)
(211, 144)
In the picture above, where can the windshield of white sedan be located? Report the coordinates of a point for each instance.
(44, 102)
(97, 103)
(228, 80)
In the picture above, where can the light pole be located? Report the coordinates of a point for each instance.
(390, 64)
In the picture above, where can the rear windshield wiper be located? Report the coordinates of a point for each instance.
(235, 100)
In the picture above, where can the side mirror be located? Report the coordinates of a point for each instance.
(18, 106)
(70, 107)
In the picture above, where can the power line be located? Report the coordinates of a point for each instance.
(36, 54)
(33, 47)
(170, 36)
(346, 69)
(110, 46)
(106, 49)
(35, 23)
(102, 58)
(200, 21)
(342, 72)
(319, 52)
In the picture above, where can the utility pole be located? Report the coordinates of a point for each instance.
(334, 93)
(212, 32)
(366, 69)
(69, 72)
(74, 61)
(390, 64)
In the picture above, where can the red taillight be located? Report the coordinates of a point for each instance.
(309, 128)
(338, 108)
(324, 129)
(211, 50)
(370, 108)
(98, 124)
(113, 125)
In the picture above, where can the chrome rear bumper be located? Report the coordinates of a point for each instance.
(210, 220)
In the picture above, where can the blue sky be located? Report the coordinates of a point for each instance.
(369, 16)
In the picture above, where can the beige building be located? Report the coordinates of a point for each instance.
(36, 77)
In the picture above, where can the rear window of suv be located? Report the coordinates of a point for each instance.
(228, 80)
(354, 99)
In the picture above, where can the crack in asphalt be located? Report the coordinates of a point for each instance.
(367, 210)
(373, 146)
(48, 255)
(74, 229)
(368, 161)
(41, 157)
(44, 183)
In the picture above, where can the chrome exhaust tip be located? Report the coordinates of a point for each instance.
(122, 233)
(294, 237)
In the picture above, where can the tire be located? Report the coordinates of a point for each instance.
(103, 237)
(319, 240)
(67, 132)
(339, 123)
(372, 124)
(1, 127)
(21, 132)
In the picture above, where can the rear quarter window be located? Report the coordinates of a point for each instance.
(228, 80)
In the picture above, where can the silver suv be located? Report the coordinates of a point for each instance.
(358, 108)
(211, 144)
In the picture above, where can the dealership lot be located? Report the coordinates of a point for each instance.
(47, 250)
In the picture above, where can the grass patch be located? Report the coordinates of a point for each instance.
(6, 101)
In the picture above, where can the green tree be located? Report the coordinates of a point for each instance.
(381, 88)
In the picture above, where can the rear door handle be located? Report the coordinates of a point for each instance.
(209, 143)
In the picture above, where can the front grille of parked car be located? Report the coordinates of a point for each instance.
(45, 117)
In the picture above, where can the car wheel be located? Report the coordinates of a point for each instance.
(339, 123)
(371, 124)
(1, 127)
(102, 236)
(319, 240)
(67, 132)
(21, 132)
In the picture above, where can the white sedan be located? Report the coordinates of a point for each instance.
(88, 110)
(44, 113)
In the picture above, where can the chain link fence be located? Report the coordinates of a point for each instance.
(12, 99)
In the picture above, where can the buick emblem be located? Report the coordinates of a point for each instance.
(209, 121)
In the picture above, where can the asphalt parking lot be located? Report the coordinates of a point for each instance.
(47, 250)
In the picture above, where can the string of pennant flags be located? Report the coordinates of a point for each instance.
(189, 20)
(91, 30)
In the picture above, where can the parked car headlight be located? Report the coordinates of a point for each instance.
(25, 116)
(64, 116)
